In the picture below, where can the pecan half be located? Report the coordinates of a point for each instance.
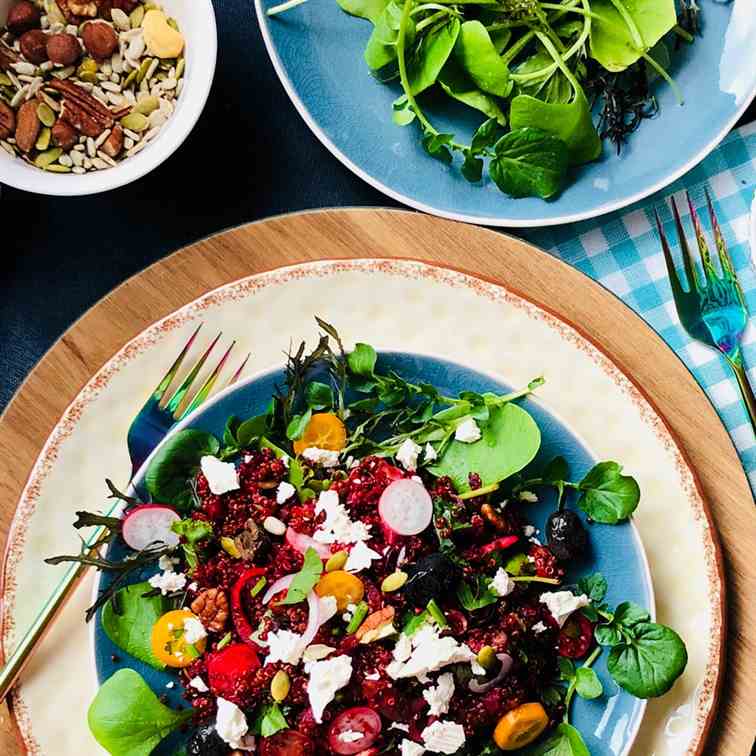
(8, 56)
(77, 11)
(113, 145)
(211, 606)
(7, 121)
(85, 113)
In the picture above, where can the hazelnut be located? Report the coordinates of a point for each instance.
(7, 120)
(100, 39)
(34, 46)
(22, 17)
(63, 49)
(64, 135)
(113, 145)
(27, 126)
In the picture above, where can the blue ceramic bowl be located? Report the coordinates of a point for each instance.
(609, 723)
(317, 51)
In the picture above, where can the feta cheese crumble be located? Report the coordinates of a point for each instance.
(407, 454)
(539, 628)
(284, 492)
(167, 562)
(284, 646)
(399, 726)
(194, 630)
(198, 684)
(430, 453)
(360, 557)
(410, 748)
(168, 581)
(529, 531)
(444, 737)
(324, 457)
(351, 736)
(528, 496)
(438, 697)
(221, 476)
(338, 527)
(562, 604)
(502, 584)
(326, 678)
(231, 724)
(467, 431)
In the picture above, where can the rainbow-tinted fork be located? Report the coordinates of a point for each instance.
(712, 311)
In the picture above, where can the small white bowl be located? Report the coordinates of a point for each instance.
(196, 19)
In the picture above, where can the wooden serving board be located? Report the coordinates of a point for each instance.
(551, 284)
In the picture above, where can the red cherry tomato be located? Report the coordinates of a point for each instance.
(287, 743)
(345, 727)
(576, 636)
(230, 667)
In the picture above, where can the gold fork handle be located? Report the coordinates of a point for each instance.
(745, 388)
(18, 659)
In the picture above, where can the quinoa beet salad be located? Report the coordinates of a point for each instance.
(354, 571)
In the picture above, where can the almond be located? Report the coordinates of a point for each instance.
(100, 39)
(7, 121)
(63, 49)
(23, 16)
(27, 126)
(34, 46)
(64, 135)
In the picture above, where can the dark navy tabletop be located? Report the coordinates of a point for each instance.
(249, 157)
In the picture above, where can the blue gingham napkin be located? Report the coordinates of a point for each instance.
(622, 252)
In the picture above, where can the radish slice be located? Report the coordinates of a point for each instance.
(406, 507)
(149, 523)
(280, 585)
(302, 542)
(506, 664)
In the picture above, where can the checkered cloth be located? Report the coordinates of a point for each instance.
(622, 252)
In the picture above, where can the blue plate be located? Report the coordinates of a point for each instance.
(317, 51)
(609, 723)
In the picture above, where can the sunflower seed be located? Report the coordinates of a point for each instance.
(120, 19)
(79, 170)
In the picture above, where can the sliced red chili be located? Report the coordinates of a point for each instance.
(499, 544)
(239, 616)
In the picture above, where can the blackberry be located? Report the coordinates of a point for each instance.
(432, 577)
(567, 538)
(206, 742)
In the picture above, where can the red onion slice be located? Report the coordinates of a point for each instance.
(506, 665)
(302, 542)
(280, 585)
(313, 621)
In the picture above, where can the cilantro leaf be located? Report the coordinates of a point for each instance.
(305, 580)
(269, 720)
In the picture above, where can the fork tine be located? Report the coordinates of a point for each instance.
(724, 256)
(709, 270)
(235, 376)
(690, 266)
(181, 391)
(207, 386)
(674, 280)
(169, 376)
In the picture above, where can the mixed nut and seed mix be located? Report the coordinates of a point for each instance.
(86, 84)
(353, 571)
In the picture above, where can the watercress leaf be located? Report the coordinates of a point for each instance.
(459, 86)
(594, 586)
(472, 168)
(175, 463)
(380, 52)
(566, 668)
(403, 113)
(515, 564)
(565, 741)
(364, 405)
(193, 530)
(367, 9)
(485, 136)
(587, 683)
(590, 613)
(431, 55)
(530, 163)
(318, 395)
(297, 425)
(629, 614)
(607, 635)
(648, 665)
(510, 440)
(362, 360)
(269, 720)
(279, 453)
(304, 581)
(553, 695)
(475, 595)
(549, 87)
(476, 54)
(229, 432)
(126, 717)
(251, 429)
(556, 471)
(571, 122)
(436, 146)
(619, 38)
(608, 496)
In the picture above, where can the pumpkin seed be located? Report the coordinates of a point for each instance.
(64, 73)
(137, 16)
(487, 657)
(180, 67)
(4, 80)
(230, 547)
(135, 122)
(130, 79)
(146, 105)
(143, 69)
(45, 114)
(88, 65)
(43, 140)
(58, 168)
(280, 686)
(46, 159)
(394, 581)
(336, 561)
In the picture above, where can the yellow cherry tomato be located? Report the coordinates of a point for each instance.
(324, 431)
(168, 642)
(343, 586)
(521, 726)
